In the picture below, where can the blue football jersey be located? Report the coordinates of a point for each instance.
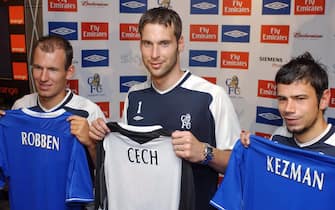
(45, 165)
(269, 175)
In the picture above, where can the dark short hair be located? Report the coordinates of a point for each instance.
(304, 68)
(51, 43)
(163, 16)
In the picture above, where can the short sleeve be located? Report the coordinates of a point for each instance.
(227, 127)
(79, 188)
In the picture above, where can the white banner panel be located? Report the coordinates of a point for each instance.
(237, 44)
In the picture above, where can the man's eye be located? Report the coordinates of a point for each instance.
(36, 68)
(165, 44)
(146, 44)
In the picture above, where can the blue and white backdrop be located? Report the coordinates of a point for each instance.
(237, 44)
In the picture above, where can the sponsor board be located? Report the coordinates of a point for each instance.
(129, 6)
(62, 5)
(67, 30)
(235, 33)
(237, 7)
(266, 89)
(127, 82)
(309, 7)
(276, 7)
(94, 31)
(129, 31)
(275, 34)
(234, 60)
(203, 33)
(204, 58)
(208, 7)
(94, 58)
(269, 116)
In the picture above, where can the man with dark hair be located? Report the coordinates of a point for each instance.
(298, 154)
(200, 113)
(303, 96)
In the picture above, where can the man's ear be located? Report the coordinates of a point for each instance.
(70, 72)
(181, 44)
(324, 100)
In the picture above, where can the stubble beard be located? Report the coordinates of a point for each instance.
(305, 129)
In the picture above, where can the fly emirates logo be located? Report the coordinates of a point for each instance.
(309, 7)
(129, 31)
(275, 34)
(234, 60)
(62, 5)
(266, 89)
(94, 31)
(204, 33)
(237, 7)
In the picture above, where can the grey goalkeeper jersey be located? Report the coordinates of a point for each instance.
(137, 169)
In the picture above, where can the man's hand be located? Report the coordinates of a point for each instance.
(2, 113)
(98, 129)
(245, 138)
(80, 128)
(187, 146)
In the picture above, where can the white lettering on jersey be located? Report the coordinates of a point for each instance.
(145, 156)
(40, 140)
(139, 107)
(186, 121)
(139, 111)
(295, 172)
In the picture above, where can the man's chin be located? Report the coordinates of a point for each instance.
(43, 90)
(43, 94)
(295, 129)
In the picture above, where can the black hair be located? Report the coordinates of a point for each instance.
(304, 68)
(163, 16)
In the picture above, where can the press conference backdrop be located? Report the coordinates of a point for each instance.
(14, 81)
(237, 44)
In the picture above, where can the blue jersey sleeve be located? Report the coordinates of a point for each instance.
(230, 191)
(79, 187)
